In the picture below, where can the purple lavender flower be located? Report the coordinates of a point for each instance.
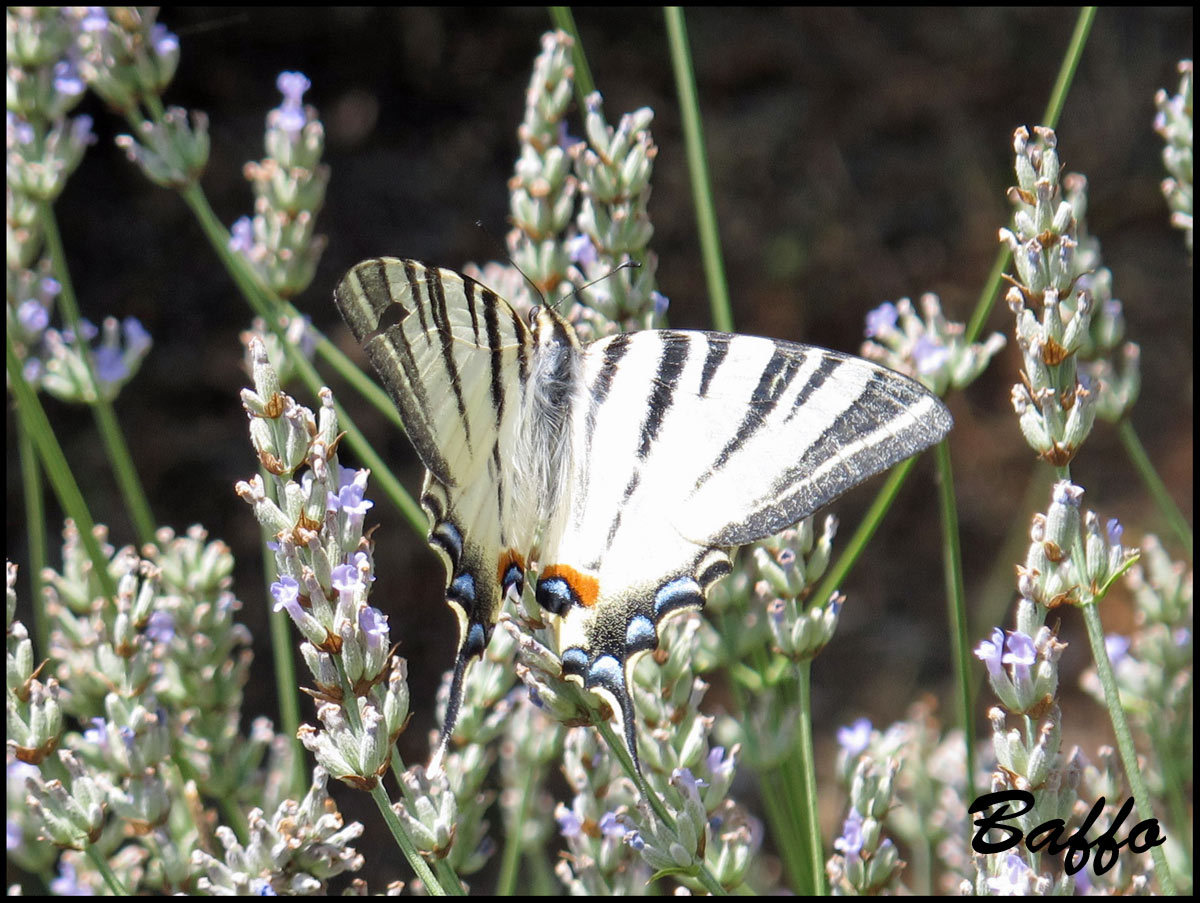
(96, 19)
(286, 593)
(18, 130)
(1115, 531)
(719, 764)
(580, 250)
(110, 365)
(241, 236)
(1117, 647)
(292, 86)
(882, 320)
(569, 823)
(161, 626)
(137, 340)
(374, 624)
(990, 652)
(67, 80)
(854, 738)
(1014, 881)
(345, 579)
(777, 610)
(851, 841)
(32, 316)
(1067, 493)
(1021, 654)
(81, 130)
(165, 43)
(67, 884)
(610, 825)
(929, 355)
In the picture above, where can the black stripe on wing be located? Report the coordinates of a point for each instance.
(375, 312)
(718, 349)
(613, 352)
(824, 371)
(670, 366)
(441, 318)
(774, 380)
(891, 418)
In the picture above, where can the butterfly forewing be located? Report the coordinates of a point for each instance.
(452, 355)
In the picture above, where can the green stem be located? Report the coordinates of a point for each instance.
(870, 523)
(510, 859)
(395, 825)
(810, 820)
(1155, 486)
(1176, 786)
(956, 604)
(35, 531)
(54, 463)
(780, 807)
(1116, 712)
(1066, 72)
(693, 135)
(564, 21)
(415, 859)
(115, 447)
(100, 863)
(746, 681)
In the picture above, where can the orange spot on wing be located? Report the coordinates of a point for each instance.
(585, 586)
(508, 558)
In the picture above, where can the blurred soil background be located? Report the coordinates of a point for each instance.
(857, 156)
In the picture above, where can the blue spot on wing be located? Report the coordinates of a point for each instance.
(682, 592)
(462, 590)
(555, 595)
(575, 661)
(640, 635)
(448, 536)
(608, 673)
(476, 641)
(513, 577)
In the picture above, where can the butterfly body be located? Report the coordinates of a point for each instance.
(624, 469)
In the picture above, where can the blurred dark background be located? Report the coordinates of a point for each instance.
(857, 156)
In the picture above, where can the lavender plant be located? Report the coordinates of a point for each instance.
(1072, 560)
(1174, 123)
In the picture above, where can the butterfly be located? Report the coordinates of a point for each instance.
(624, 470)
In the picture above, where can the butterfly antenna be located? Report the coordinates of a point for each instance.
(537, 292)
(627, 264)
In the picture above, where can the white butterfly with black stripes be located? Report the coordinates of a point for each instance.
(624, 470)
